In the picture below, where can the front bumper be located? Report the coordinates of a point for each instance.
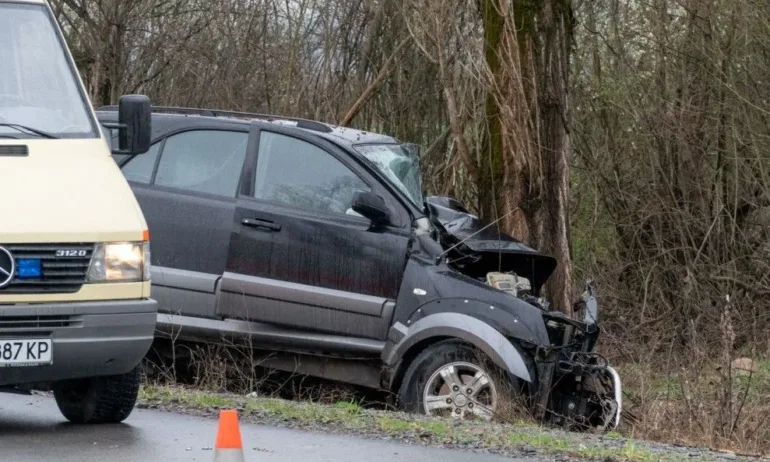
(88, 339)
(579, 390)
(617, 390)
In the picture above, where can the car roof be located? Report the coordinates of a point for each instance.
(173, 118)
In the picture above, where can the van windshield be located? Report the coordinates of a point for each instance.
(40, 95)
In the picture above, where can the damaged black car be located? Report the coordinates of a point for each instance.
(315, 245)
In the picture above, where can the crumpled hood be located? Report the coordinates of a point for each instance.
(495, 250)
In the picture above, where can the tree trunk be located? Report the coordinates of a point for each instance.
(524, 170)
(553, 218)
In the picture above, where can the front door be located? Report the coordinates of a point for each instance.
(299, 256)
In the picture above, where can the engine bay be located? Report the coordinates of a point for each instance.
(516, 286)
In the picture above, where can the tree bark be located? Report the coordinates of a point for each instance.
(523, 169)
(553, 71)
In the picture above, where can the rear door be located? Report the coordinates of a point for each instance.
(186, 186)
(299, 256)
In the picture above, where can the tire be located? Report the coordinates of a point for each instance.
(98, 400)
(421, 373)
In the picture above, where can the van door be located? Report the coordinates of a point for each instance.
(299, 256)
(186, 187)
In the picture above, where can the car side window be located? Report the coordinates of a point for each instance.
(207, 161)
(139, 168)
(295, 172)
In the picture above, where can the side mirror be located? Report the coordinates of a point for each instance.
(371, 206)
(134, 125)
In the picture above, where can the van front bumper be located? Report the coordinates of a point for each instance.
(89, 339)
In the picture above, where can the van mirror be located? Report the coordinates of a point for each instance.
(134, 125)
(371, 206)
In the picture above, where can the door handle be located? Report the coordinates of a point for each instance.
(264, 224)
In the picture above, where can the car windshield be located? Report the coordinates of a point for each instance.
(400, 164)
(39, 92)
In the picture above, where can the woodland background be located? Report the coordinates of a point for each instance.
(626, 138)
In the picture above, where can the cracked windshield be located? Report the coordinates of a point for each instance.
(39, 95)
(399, 165)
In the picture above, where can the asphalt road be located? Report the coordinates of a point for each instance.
(31, 429)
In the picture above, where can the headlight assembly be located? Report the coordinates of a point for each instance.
(120, 262)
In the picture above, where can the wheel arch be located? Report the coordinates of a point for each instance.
(443, 326)
(399, 369)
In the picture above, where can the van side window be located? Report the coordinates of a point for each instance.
(295, 172)
(139, 168)
(206, 161)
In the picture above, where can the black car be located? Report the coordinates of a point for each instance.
(315, 242)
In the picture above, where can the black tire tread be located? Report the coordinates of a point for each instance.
(427, 362)
(109, 399)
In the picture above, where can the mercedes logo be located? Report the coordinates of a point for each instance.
(7, 267)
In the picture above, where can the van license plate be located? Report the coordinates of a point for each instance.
(29, 352)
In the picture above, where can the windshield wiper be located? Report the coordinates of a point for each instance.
(24, 128)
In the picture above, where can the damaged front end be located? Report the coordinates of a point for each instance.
(574, 386)
(577, 388)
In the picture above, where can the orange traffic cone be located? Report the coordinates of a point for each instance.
(229, 447)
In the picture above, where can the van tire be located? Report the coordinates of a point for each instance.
(433, 358)
(97, 400)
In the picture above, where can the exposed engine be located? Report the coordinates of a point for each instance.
(516, 286)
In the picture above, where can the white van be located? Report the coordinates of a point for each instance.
(75, 307)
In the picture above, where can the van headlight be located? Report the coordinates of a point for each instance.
(120, 262)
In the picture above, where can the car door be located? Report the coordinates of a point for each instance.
(299, 256)
(186, 186)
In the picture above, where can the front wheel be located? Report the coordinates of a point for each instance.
(99, 399)
(453, 379)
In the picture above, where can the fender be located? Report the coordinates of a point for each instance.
(457, 325)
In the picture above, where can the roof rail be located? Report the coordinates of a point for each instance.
(301, 123)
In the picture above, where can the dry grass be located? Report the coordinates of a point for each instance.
(227, 367)
(688, 406)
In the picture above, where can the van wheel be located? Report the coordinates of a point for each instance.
(452, 379)
(98, 399)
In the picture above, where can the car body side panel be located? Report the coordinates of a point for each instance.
(263, 335)
(183, 301)
(339, 300)
(303, 307)
(191, 292)
(182, 279)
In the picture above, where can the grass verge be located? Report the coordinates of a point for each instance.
(349, 417)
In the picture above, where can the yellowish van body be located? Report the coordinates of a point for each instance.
(75, 307)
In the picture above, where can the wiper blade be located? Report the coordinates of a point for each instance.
(24, 128)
